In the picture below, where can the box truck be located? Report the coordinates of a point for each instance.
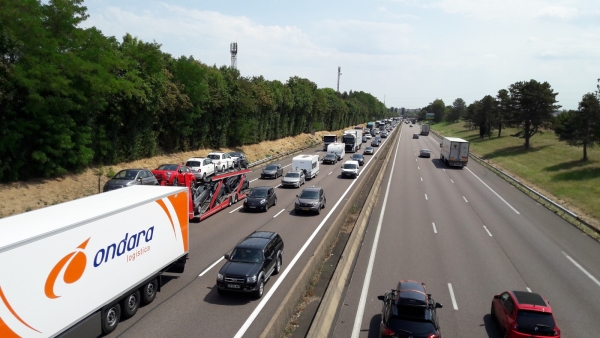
(425, 129)
(338, 149)
(307, 163)
(353, 140)
(329, 139)
(75, 269)
(455, 151)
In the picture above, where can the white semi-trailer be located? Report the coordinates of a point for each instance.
(75, 269)
(455, 151)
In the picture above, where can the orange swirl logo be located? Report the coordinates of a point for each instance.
(75, 263)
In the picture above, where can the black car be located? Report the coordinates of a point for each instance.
(239, 159)
(409, 311)
(129, 177)
(375, 143)
(311, 199)
(415, 135)
(364, 139)
(272, 171)
(330, 158)
(359, 158)
(260, 198)
(251, 263)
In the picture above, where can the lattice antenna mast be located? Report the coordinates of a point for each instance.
(339, 74)
(233, 49)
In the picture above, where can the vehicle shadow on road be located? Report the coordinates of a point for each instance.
(302, 214)
(374, 326)
(491, 328)
(231, 299)
(439, 164)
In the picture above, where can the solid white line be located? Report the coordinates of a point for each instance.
(234, 210)
(434, 228)
(492, 190)
(253, 180)
(426, 197)
(365, 289)
(330, 173)
(284, 274)
(421, 179)
(486, 229)
(210, 267)
(452, 181)
(465, 199)
(279, 185)
(528, 289)
(452, 297)
(582, 269)
(277, 214)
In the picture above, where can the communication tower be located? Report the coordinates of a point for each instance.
(339, 74)
(233, 50)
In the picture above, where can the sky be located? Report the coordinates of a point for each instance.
(406, 53)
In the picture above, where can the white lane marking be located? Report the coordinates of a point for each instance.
(234, 210)
(452, 181)
(253, 180)
(492, 190)
(426, 197)
(330, 173)
(365, 289)
(465, 199)
(582, 269)
(277, 186)
(434, 228)
(444, 169)
(418, 167)
(277, 214)
(284, 274)
(416, 160)
(452, 296)
(486, 229)
(528, 289)
(210, 267)
(421, 179)
(287, 165)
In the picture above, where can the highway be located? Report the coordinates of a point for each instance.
(189, 305)
(468, 235)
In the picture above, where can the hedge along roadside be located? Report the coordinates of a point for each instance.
(330, 304)
(549, 204)
(285, 311)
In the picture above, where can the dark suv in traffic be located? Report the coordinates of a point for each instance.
(251, 263)
(311, 199)
(409, 311)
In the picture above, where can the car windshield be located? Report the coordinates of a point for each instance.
(172, 167)
(369, 148)
(357, 156)
(425, 151)
(271, 167)
(309, 195)
(412, 326)
(246, 255)
(235, 154)
(214, 156)
(192, 163)
(127, 174)
(292, 175)
(349, 166)
(529, 320)
(330, 156)
(258, 193)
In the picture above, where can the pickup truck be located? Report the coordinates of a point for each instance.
(201, 167)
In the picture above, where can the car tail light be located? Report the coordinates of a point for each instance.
(387, 331)
(434, 336)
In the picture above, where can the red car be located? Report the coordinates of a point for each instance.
(524, 314)
(174, 174)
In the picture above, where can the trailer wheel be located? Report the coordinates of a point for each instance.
(175, 182)
(230, 200)
(235, 200)
(110, 318)
(148, 292)
(131, 304)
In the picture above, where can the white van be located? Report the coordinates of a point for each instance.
(338, 149)
(307, 163)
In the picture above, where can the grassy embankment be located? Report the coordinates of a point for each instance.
(549, 166)
(29, 195)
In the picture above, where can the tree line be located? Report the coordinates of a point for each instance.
(531, 108)
(72, 97)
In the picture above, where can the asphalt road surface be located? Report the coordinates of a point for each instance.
(189, 305)
(468, 235)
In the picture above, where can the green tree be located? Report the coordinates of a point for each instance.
(503, 112)
(532, 106)
(457, 111)
(580, 128)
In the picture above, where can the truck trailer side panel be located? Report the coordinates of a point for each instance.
(67, 261)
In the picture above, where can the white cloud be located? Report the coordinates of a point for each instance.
(558, 12)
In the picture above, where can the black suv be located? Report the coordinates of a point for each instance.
(311, 199)
(409, 311)
(251, 263)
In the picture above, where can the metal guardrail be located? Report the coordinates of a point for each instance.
(568, 213)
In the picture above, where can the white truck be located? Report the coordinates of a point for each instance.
(75, 269)
(338, 149)
(307, 163)
(329, 139)
(424, 129)
(353, 140)
(455, 151)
